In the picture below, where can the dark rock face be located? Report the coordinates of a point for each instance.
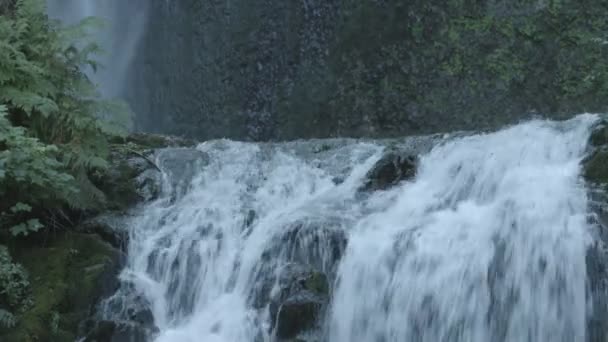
(294, 276)
(110, 228)
(316, 68)
(599, 136)
(68, 276)
(134, 176)
(130, 179)
(301, 301)
(297, 314)
(107, 331)
(595, 171)
(595, 166)
(391, 169)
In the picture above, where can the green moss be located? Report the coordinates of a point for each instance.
(596, 167)
(66, 278)
(599, 137)
(120, 185)
(317, 283)
(144, 141)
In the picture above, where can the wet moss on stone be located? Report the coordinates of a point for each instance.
(317, 283)
(596, 167)
(68, 274)
(599, 137)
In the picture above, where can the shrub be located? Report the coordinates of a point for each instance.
(54, 128)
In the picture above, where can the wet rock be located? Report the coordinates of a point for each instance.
(153, 141)
(316, 245)
(595, 171)
(317, 242)
(596, 167)
(182, 164)
(250, 218)
(108, 331)
(103, 331)
(130, 179)
(110, 228)
(599, 136)
(297, 314)
(133, 175)
(392, 168)
(597, 271)
(300, 302)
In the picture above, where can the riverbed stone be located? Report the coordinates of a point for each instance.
(393, 167)
(300, 303)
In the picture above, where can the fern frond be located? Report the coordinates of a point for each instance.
(54, 129)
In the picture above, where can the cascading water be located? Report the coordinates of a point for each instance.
(486, 243)
(124, 24)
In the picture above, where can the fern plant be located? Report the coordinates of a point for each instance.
(54, 128)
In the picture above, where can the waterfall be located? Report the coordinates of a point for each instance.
(486, 243)
(124, 24)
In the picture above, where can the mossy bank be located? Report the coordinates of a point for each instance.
(69, 268)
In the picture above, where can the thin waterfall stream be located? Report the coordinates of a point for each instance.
(486, 242)
(122, 27)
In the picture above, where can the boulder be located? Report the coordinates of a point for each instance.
(599, 136)
(317, 242)
(392, 168)
(133, 175)
(300, 302)
(596, 167)
(297, 314)
(110, 227)
(130, 179)
(108, 331)
(131, 319)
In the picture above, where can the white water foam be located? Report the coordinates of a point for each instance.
(486, 243)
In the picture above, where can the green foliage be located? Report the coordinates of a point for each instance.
(414, 66)
(54, 129)
(14, 289)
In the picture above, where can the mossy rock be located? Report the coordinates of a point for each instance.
(596, 167)
(124, 183)
(298, 313)
(144, 141)
(599, 136)
(68, 275)
(120, 183)
(317, 283)
(394, 166)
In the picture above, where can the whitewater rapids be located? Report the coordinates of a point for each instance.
(486, 243)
